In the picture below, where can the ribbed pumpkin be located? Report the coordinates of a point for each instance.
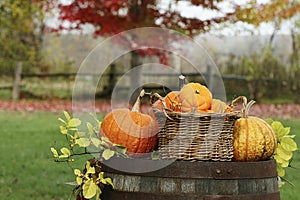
(195, 97)
(130, 128)
(219, 106)
(158, 105)
(172, 101)
(253, 138)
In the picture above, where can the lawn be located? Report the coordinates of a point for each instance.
(27, 171)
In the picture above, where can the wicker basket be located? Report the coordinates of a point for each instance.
(196, 136)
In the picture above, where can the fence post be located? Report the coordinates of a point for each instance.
(17, 81)
(209, 77)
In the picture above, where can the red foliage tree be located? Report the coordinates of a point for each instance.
(110, 17)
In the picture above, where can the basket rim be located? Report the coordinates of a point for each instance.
(198, 114)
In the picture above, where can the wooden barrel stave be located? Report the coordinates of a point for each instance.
(197, 180)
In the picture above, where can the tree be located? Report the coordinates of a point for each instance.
(21, 33)
(112, 16)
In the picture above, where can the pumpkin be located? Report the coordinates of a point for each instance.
(195, 97)
(172, 101)
(219, 106)
(130, 128)
(158, 105)
(253, 138)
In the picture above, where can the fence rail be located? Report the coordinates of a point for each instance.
(51, 87)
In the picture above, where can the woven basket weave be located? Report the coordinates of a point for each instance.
(196, 136)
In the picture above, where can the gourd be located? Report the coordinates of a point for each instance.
(172, 101)
(219, 106)
(195, 97)
(253, 138)
(130, 128)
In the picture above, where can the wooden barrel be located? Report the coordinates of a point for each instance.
(194, 180)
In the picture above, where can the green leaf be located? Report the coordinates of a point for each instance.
(155, 155)
(107, 154)
(290, 136)
(83, 142)
(55, 154)
(81, 134)
(74, 122)
(95, 118)
(280, 171)
(279, 129)
(101, 176)
(89, 189)
(280, 161)
(90, 128)
(63, 130)
(96, 141)
(90, 170)
(78, 180)
(107, 181)
(98, 193)
(63, 121)
(106, 140)
(67, 115)
(66, 152)
(283, 153)
(269, 120)
(288, 144)
(77, 172)
(120, 149)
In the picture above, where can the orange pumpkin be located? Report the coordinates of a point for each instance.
(195, 97)
(158, 105)
(130, 128)
(219, 106)
(172, 101)
(253, 138)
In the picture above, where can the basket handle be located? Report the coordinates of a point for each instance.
(160, 98)
(246, 106)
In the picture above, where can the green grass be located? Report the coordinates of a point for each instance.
(287, 191)
(27, 171)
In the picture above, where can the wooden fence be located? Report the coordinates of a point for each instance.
(19, 80)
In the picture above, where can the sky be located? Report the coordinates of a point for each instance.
(239, 28)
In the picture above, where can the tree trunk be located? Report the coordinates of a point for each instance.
(295, 69)
(135, 76)
(17, 81)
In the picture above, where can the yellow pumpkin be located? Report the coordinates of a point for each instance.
(253, 138)
(195, 97)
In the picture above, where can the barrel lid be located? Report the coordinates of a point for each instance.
(196, 169)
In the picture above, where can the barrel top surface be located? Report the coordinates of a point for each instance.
(196, 169)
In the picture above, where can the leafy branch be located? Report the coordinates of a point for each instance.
(284, 152)
(88, 182)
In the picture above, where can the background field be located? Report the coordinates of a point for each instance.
(28, 172)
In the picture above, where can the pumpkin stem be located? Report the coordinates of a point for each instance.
(247, 108)
(137, 104)
(181, 81)
(163, 104)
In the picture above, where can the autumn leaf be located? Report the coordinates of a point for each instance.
(89, 189)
